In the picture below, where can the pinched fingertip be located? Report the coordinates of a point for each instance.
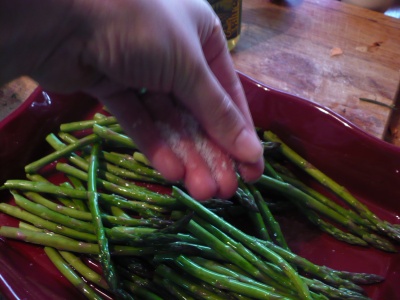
(227, 189)
(168, 164)
(248, 147)
(251, 172)
(200, 185)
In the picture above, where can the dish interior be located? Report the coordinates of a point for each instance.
(368, 167)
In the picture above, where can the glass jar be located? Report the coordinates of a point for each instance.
(230, 14)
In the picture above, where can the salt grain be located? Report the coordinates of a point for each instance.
(180, 143)
(173, 139)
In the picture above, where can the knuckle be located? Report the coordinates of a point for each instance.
(226, 116)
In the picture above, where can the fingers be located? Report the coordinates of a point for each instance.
(221, 65)
(222, 119)
(172, 140)
(200, 74)
(213, 93)
(208, 170)
(139, 125)
(250, 172)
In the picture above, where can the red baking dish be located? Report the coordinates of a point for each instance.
(368, 167)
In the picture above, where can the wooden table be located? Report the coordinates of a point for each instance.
(288, 46)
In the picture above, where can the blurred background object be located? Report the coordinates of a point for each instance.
(394, 9)
(230, 14)
(376, 5)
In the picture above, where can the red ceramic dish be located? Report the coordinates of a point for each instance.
(368, 167)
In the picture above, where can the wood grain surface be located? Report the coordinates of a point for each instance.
(288, 45)
(14, 93)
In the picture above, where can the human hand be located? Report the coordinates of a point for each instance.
(177, 51)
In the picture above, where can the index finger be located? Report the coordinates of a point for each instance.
(213, 93)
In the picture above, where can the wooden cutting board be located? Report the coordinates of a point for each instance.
(287, 45)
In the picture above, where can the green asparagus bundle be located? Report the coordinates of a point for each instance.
(163, 244)
(360, 225)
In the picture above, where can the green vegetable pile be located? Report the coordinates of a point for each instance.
(153, 245)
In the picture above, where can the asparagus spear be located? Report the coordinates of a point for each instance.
(147, 287)
(88, 273)
(50, 215)
(86, 216)
(243, 238)
(68, 244)
(66, 270)
(184, 282)
(58, 242)
(139, 291)
(42, 223)
(77, 184)
(270, 171)
(176, 291)
(329, 228)
(129, 163)
(86, 124)
(276, 277)
(130, 190)
(124, 221)
(109, 168)
(333, 277)
(116, 234)
(259, 225)
(226, 282)
(104, 255)
(122, 164)
(298, 195)
(268, 217)
(38, 164)
(128, 174)
(332, 292)
(42, 187)
(247, 200)
(225, 250)
(237, 274)
(348, 213)
(384, 227)
(313, 216)
(110, 135)
(39, 178)
(140, 157)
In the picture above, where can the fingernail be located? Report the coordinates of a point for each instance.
(248, 146)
